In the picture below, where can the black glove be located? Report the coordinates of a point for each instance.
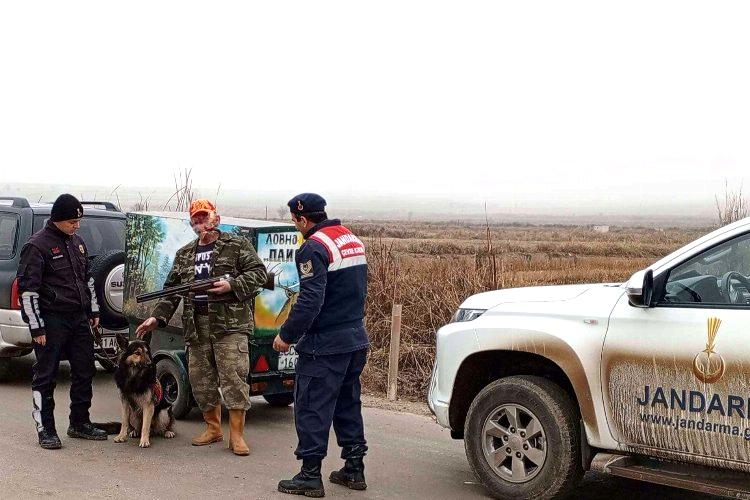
(270, 284)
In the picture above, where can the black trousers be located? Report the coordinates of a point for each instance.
(68, 335)
(327, 391)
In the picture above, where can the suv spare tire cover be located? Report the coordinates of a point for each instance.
(108, 271)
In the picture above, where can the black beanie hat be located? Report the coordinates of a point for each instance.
(66, 207)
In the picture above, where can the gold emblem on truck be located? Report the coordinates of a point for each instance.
(708, 365)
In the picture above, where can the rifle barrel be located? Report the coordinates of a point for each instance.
(179, 289)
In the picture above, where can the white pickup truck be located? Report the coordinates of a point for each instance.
(648, 380)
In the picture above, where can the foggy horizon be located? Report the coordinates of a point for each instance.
(567, 208)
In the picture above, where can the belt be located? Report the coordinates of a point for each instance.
(201, 309)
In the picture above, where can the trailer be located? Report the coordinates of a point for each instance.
(152, 238)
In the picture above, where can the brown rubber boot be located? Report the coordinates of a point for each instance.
(212, 434)
(236, 428)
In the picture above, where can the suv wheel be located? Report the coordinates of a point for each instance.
(522, 439)
(108, 273)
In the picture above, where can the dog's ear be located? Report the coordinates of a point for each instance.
(122, 356)
(147, 339)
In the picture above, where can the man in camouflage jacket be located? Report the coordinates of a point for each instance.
(216, 323)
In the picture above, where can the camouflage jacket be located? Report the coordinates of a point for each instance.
(228, 313)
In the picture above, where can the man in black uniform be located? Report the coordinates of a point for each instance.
(59, 305)
(326, 323)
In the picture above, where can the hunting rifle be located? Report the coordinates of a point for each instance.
(195, 286)
(184, 289)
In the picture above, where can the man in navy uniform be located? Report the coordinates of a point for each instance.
(59, 305)
(327, 326)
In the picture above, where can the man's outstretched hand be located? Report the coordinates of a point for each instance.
(145, 327)
(279, 345)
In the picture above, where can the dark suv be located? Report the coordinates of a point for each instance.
(103, 230)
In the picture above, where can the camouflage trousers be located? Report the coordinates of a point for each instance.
(223, 364)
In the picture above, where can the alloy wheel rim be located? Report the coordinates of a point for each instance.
(514, 443)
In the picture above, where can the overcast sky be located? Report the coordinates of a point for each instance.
(511, 102)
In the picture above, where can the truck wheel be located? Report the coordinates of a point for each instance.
(5, 369)
(175, 387)
(279, 400)
(522, 439)
(108, 273)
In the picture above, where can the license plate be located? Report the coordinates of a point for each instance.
(109, 342)
(288, 360)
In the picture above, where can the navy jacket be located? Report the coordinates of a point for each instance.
(328, 317)
(54, 277)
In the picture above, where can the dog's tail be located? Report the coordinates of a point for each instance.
(108, 427)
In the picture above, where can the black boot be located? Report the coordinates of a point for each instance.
(308, 482)
(87, 431)
(49, 440)
(352, 475)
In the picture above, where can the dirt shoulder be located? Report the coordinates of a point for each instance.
(401, 406)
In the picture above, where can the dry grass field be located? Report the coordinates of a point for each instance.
(431, 268)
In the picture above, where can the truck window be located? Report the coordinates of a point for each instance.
(100, 235)
(8, 235)
(718, 276)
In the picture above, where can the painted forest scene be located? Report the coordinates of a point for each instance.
(153, 239)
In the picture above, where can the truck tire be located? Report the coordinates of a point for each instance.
(108, 272)
(175, 387)
(279, 400)
(522, 439)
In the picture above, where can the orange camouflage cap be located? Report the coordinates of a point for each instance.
(202, 205)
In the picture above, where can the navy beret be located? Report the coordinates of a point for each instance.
(306, 203)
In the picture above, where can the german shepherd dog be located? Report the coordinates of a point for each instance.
(144, 409)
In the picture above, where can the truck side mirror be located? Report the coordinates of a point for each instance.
(641, 289)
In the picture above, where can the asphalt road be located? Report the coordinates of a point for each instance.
(410, 457)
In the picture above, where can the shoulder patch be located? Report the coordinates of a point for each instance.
(306, 269)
